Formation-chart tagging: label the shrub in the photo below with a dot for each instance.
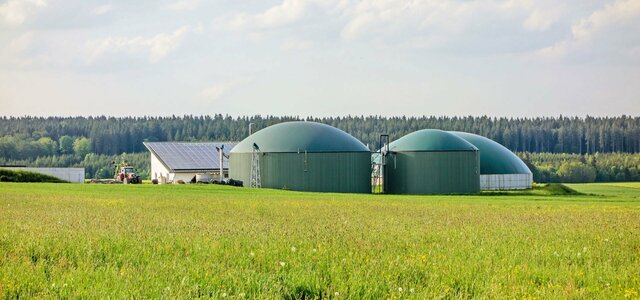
(576, 171)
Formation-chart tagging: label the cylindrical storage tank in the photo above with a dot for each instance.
(432, 161)
(500, 169)
(304, 156)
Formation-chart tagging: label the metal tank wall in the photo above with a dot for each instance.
(500, 169)
(304, 156)
(493, 182)
(341, 172)
(433, 172)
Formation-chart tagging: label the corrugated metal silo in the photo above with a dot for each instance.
(432, 161)
(304, 156)
(500, 169)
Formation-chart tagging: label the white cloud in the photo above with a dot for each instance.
(399, 22)
(390, 17)
(183, 5)
(357, 25)
(287, 12)
(615, 27)
(221, 89)
(16, 12)
(22, 42)
(35, 49)
(622, 13)
(156, 47)
(449, 18)
(102, 9)
(297, 44)
(541, 19)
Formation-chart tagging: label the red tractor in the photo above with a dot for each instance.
(126, 174)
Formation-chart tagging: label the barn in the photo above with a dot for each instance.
(173, 161)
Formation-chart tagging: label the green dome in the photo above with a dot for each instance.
(494, 158)
(430, 140)
(299, 137)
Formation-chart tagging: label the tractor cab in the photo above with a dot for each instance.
(126, 174)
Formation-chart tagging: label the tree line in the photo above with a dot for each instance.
(556, 149)
(30, 137)
(546, 167)
(598, 167)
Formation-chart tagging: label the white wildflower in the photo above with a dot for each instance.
(400, 290)
(252, 254)
(293, 249)
(336, 294)
(411, 290)
(282, 264)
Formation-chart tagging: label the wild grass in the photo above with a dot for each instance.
(547, 189)
(184, 241)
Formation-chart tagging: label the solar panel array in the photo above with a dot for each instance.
(189, 156)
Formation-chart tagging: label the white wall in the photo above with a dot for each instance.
(158, 169)
(186, 177)
(69, 174)
(506, 181)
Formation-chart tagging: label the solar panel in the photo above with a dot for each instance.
(189, 156)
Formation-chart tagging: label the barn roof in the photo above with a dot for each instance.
(182, 156)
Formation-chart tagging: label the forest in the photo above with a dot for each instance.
(556, 148)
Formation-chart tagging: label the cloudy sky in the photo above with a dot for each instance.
(320, 57)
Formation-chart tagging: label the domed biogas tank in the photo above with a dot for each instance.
(500, 169)
(304, 156)
(432, 161)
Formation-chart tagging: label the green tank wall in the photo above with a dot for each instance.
(494, 158)
(342, 172)
(433, 172)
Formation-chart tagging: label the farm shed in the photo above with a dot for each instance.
(173, 161)
(75, 175)
(303, 156)
(432, 161)
(500, 169)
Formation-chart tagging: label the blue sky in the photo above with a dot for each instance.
(320, 58)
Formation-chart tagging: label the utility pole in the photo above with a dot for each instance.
(221, 157)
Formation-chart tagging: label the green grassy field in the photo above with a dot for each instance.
(183, 241)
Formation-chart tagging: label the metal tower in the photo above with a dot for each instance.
(256, 179)
(380, 168)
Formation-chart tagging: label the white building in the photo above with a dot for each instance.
(173, 161)
(75, 175)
